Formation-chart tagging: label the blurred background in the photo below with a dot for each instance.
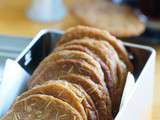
(28, 17)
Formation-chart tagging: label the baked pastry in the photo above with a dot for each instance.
(103, 47)
(99, 96)
(70, 55)
(87, 102)
(42, 107)
(65, 55)
(80, 32)
(91, 50)
(84, 75)
(61, 90)
(64, 67)
(97, 93)
(100, 51)
(119, 20)
(116, 88)
(109, 61)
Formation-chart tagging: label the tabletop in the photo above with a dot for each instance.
(13, 21)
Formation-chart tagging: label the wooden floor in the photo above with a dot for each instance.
(13, 21)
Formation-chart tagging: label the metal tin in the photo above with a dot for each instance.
(11, 47)
(140, 97)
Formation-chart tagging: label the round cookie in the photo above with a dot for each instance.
(70, 54)
(80, 32)
(89, 49)
(42, 107)
(119, 20)
(99, 96)
(63, 67)
(87, 102)
(61, 90)
(116, 66)
(117, 89)
(100, 50)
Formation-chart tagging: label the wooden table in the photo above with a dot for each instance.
(13, 21)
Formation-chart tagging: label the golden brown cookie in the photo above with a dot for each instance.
(91, 50)
(119, 20)
(61, 90)
(70, 54)
(100, 51)
(87, 102)
(116, 90)
(42, 107)
(107, 57)
(80, 32)
(100, 98)
(63, 67)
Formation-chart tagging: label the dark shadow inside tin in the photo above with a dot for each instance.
(46, 43)
(140, 58)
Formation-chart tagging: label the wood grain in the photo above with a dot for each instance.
(13, 21)
(156, 104)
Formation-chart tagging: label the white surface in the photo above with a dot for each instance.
(13, 83)
(130, 82)
(140, 98)
(2, 62)
(11, 47)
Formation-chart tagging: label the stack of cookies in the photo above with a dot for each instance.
(82, 79)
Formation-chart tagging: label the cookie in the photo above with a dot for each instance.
(116, 90)
(100, 98)
(42, 107)
(63, 67)
(61, 90)
(80, 32)
(108, 57)
(70, 54)
(100, 51)
(87, 102)
(90, 50)
(119, 20)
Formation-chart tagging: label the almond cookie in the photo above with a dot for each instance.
(80, 32)
(108, 57)
(119, 20)
(91, 50)
(117, 89)
(63, 67)
(61, 90)
(87, 102)
(100, 98)
(70, 54)
(100, 50)
(42, 107)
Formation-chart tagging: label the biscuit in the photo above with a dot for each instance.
(87, 102)
(108, 57)
(61, 90)
(99, 50)
(99, 96)
(98, 55)
(117, 89)
(42, 107)
(63, 67)
(70, 54)
(119, 20)
(80, 32)
(84, 76)
(97, 93)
